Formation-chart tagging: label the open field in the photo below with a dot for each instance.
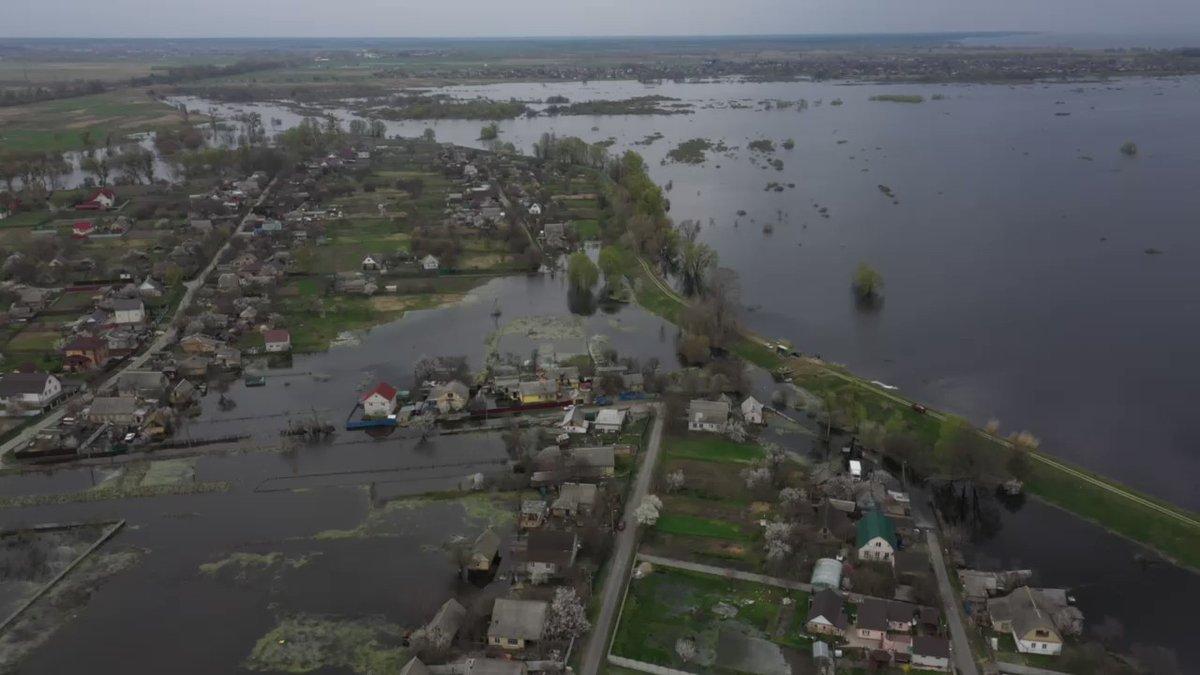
(671, 605)
(60, 125)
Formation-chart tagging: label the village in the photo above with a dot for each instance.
(668, 521)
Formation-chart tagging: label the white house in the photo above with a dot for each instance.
(277, 340)
(710, 416)
(29, 391)
(128, 311)
(752, 411)
(573, 421)
(380, 401)
(609, 420)
(876, 537)
(429, 263)
(535, 209)
(373, 262)
(1028, 616)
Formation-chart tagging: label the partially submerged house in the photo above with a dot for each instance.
(450, 397)
(484, 551)
(1028, 614)
(380, 401)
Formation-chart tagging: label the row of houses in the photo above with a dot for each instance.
(891, 631)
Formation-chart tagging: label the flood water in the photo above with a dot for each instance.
(1018, 280)
(1018, 286)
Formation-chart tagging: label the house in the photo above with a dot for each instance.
(827, 574)
(414, 667)
(516, 622)
(482, 666)
(549, 553)
(554, 465)
(710, 416)
(184, 393)
(752, 411)
(573, 421)
(555, 235)
(101, 200)
(609, 420)
(373, 262)
(901, 616)
(535, 209)
(194, 366)
(122, 411)
(450, 397)
(876, 538)
(826, 614)
(537, 391)
(150, 289)
(85, 352)
(32, 392)
(147, 384)
(83, 229)
(429, 263)
(199, 344)
(380, 401)
(128, 311)
(445, 625)
(872, 620)
(574, 499)
(931, 653)
(484, 551)
(277, 340)
(533, 514)
(1029, 618)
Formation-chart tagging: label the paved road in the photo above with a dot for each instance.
(159, 343)
(726, 572)
(622, 556)
(963, 659)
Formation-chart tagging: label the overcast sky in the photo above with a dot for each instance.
(474, 18)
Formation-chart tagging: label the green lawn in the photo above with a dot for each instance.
(713, 448)
(670, 604)
(60, 125)
(700, 527)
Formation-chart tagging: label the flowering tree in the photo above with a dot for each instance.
(567, 618)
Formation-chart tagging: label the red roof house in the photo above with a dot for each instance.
(82, 229)
(380, 401)
(101, 200)
(277, 340)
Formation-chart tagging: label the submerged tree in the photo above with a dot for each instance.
(1129, 148)
(867, 283)
(582, 272)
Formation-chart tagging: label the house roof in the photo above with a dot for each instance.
(535, 507)
(875, 524)
(85, 343)
(519, 619)
(126, 304)
(481, 666)
(573, 495)
(551, 546)
(23, 383)
(414, 667)
(936, 647)
(383, 389)
(610, 417)
(141, 379)
(537, 388)
(486, 544)
(448, 620)
(829, 605)
(114, 405)
(708, 412)
(1025, 609)
(277, 335)
(872, 614)
(751, 403)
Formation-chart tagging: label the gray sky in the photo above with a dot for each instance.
(471, 18)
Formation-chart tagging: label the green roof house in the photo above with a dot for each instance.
(876, 537)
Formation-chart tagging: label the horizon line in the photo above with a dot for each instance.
(537, 37)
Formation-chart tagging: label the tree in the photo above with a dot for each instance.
(582, 272)
(489, 132)
(675, 480)
(358, 127)
(567, 618)
(97, 166)
(612, 265)
(698, 261)
(868, 283)
(776, 540)
(647, 512)
(695, 349)
(1129, 148)
(429, 135)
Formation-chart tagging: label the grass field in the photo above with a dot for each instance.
(699, 527)
(713, 448)
(60, 125)
(671, 604)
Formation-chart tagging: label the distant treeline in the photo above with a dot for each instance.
(50, 91)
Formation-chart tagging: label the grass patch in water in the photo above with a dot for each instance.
(304, 643)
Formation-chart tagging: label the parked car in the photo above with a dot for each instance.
(920, 408)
